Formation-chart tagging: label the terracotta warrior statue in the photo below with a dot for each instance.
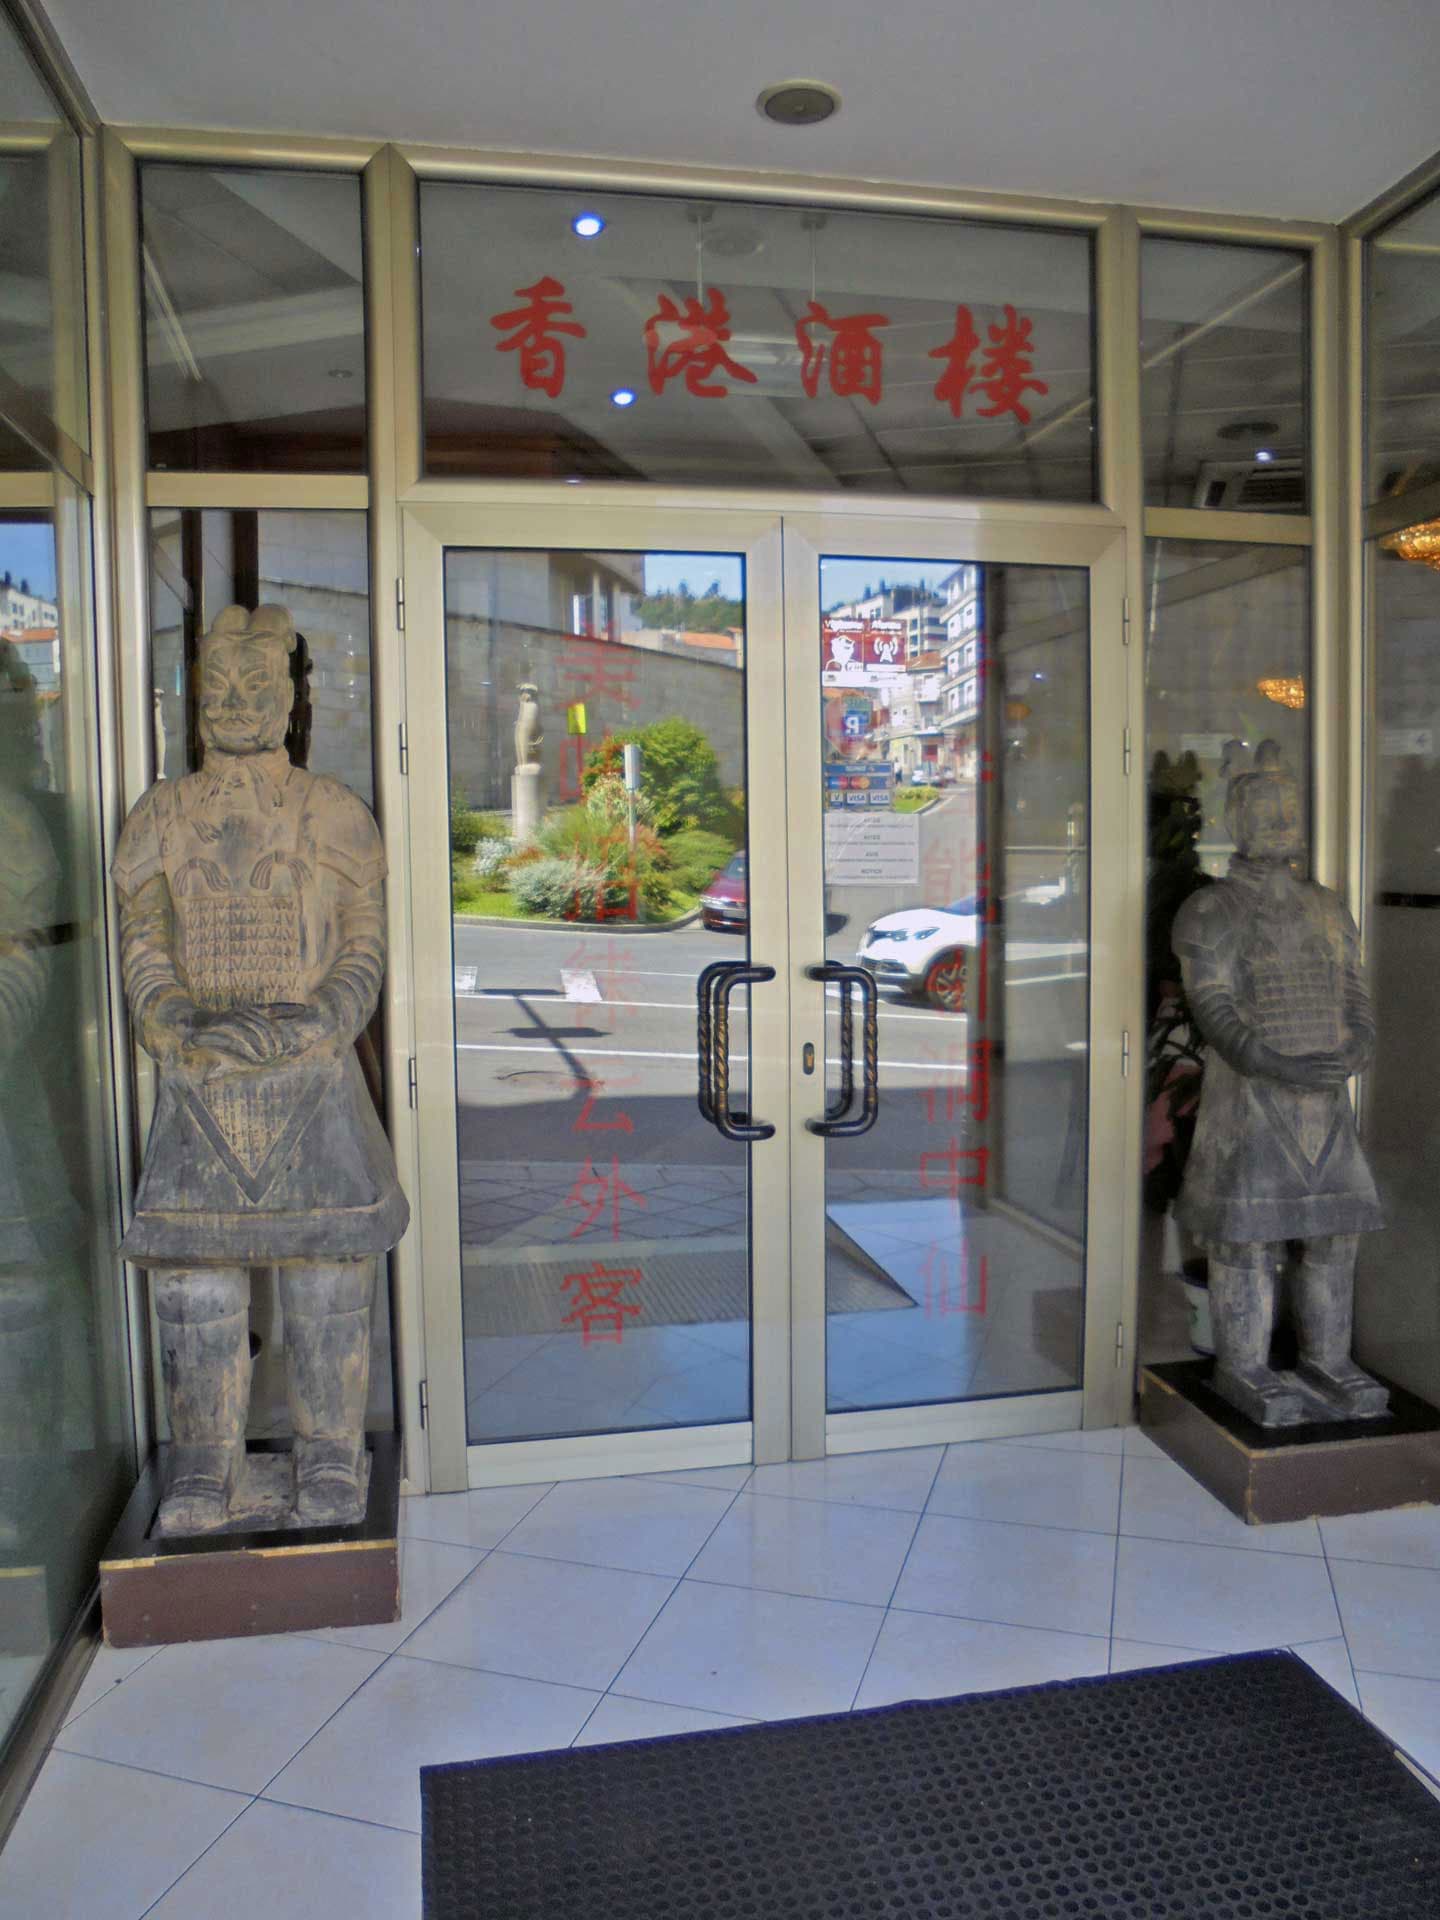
(1272, 970)
(252, 931)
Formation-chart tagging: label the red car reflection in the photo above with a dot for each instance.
(726, 901)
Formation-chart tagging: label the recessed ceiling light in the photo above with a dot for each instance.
(622, 397)
(587, 225)
(799, 103)
(1264, 455)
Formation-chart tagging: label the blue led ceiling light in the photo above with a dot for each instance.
(587, 225)
(622, 397)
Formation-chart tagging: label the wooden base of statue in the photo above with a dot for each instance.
(1268, 1475)
(288, 1579)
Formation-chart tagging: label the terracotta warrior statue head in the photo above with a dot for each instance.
(1262, 809)
(246, 690)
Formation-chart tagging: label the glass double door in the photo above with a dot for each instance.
(753, 913)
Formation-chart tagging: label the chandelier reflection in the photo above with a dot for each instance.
(1420, 542)
(1285, 692)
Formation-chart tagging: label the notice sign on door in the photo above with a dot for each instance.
(861, 653)
(866, 849)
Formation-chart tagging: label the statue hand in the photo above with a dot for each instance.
(226, 1042)
(307, 1030)
(168, 1029)
(1316, 1072)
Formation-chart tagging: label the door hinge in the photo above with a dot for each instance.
(400, 601)
(1119, 1343)
(1124, 1055)
(1125, 620)
(1125, 749)
(404, 749)
(424, 1403)
(414, 1083)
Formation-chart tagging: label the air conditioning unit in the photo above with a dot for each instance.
(1252, 486)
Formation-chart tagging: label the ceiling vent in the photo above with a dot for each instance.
(1252, 486)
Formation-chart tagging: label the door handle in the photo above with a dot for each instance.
(835, 1125)
(713, 989)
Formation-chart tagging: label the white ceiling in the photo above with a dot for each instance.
(1303, 108)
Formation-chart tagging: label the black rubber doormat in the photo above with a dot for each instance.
(1236, 1789)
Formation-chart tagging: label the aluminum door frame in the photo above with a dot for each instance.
(980, 534)
(428, 530)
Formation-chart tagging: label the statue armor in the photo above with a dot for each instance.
(252, 933)
(1272, 972)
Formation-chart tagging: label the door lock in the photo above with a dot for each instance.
(807, 1057)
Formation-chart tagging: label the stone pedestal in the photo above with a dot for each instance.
(155, 1589)
(527, 803)
(1270, 1474)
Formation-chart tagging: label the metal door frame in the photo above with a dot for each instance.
(781, 548)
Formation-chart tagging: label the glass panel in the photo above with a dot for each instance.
(748, 345)
(1223, 344)
(317, 565)
(956, 749)
(42, 312)
(1227, 662)
(64, 1426)
(604, 1223)
(1396, 1323)
(1404, 346)
(254, 319)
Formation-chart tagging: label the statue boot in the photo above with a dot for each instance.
(1242, 1315)
(327, 1350)
(1325, 1312)
(204, 1317)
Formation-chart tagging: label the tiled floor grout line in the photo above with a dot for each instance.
(720, 1518)
(1339, 1612)
(895, 1584)
(198, 1858)
(75, 1718)
(1115, 1565)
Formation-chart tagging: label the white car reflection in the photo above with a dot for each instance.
(925, 950)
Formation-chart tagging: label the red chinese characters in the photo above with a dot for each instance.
(596, 1193)
(1007, 368)
(955, 1167)
(851, 353)
(952, 1284)
(598, 1302)
(537, 333)
(689, 341)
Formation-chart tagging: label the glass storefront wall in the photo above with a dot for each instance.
(254, 319)
(66, 1443)
(1398, 1308)
(574, 335)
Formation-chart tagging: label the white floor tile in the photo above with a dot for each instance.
(1331, 1660)
(480, 1519)
(1226, 1597)
(1018, 1576)
(226, 1713)
(1137, 1441)
(1128, 1655)
(1391, 1616)
(619, 1718)
(110, 1667)
(543, 1620)
(366, 1763)
(768, 1656)
(643, 1526)
(429, 1570)
(922, 1657)
(102, 1842)
(289, 1864)
(991, 1480)
(1403, 1537)
(1162, 1501)
(900, 1479)
(1077, 1439)
(825, 1548)
(1408, 1710)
